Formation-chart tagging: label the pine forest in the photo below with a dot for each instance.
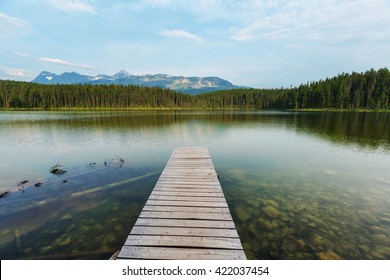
(369, 90)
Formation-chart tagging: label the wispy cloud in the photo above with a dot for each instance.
(10, 24)
(73, 6)
(17, 54)
(64, 62)
(208, 9)
(14, 73)
(181, 34)
(328, 21)
(155, 3)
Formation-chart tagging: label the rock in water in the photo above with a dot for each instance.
(271, 211)
(243, 214)
(329, 172)
(381, 239)
(328, 255)
(264, 224)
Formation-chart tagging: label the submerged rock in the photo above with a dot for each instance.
(264, 224)
(255, 203)
(271, 211)
(64, 240)
(66, 217)
(242, 214)
(328, 255)
(4, 194)
(384, 251)
(272, 203)
(118, 228)
(364, 248)
(368, 218)
(58, 169)
(109, 239)
(329, 172)
(320, 241)
(385, 220)
(84, 228)
(300, 244)
(378, 230)
(381, 239)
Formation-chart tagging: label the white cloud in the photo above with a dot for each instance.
(10, 24)
(13, 73)
(181, 34)
(66, 63)
(73, 6)
(207, 10)
(327, 21)
(293, 46)
(18, 54)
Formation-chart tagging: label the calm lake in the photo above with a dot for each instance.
(298, 185)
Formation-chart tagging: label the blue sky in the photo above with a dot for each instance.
(258, 43)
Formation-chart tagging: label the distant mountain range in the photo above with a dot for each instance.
(190, 85)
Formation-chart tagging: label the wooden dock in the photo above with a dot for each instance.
(186, 215)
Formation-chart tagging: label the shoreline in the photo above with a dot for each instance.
(75, 109)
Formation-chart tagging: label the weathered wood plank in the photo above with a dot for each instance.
(177, 231)
(201, 170)
(186, 163)
(184, 223)
(188, 182)
(186, 215)
(189, 174)
(222, 210)
(187, 189)
(186, 179)
(184, 241)
(214, 185)
(137, 252)
(186, 203)
(174, 175)
(187, 193)
(187, 198)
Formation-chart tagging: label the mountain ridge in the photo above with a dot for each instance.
(192, 85)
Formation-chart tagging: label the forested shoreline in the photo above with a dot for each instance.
(368, 90)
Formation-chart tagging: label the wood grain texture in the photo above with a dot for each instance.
(161, 253)
(178, 231)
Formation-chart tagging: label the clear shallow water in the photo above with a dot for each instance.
(299, 185)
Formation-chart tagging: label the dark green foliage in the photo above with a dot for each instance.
(30, 95)
(369, 90)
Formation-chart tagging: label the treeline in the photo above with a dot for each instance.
(369, 90)
(31, 95)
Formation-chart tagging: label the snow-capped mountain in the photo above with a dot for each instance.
(184, 84)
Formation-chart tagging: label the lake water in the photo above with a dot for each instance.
(299, 185)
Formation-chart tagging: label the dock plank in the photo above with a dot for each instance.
(187, 198)
(188, 193)
(177, 231)
(186, 215)
(160, 208)
(184, 223)
(187, 189)
(185, 203)
(184, 241)
(153, 253)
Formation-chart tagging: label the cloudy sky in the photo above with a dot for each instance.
(258, 43)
